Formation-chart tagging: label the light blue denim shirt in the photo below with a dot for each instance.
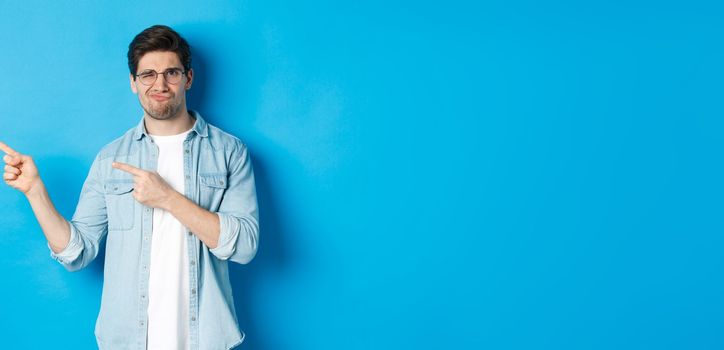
(219, 178)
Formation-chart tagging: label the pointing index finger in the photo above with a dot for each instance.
(5, 148)
(128, 168)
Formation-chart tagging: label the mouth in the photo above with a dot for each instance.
(160, 98)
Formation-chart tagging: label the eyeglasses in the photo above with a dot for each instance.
(172, 76)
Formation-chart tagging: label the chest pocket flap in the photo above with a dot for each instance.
(118, 187)
(213, 180)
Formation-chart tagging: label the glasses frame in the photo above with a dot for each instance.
(156, 74)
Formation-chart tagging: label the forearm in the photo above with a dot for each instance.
(55, 228)
(203, 223)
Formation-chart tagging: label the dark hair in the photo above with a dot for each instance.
(158, 38)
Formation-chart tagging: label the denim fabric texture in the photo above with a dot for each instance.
(218, 177)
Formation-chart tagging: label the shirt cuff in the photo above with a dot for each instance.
(71, 251)
(228, 233)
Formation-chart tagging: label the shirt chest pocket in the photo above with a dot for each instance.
(212, 188)
(120, 205)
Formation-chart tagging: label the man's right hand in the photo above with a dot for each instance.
(20, 170)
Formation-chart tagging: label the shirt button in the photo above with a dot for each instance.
(221, 182)
(193, 291)
(144, 267)
(187, 151)
(188, 177)
(193, 262)
(143, 296)
(193, 318)
(141, 323)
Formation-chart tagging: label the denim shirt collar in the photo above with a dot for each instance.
(200, 127)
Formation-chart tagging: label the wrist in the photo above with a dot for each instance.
(37, 190)
(172, 200)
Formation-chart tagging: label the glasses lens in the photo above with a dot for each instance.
(173, 76)
(147, 78)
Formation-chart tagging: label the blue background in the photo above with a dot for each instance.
(455, 175)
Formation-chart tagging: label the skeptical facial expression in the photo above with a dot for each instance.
(165, 97)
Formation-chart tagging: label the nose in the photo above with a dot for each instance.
(160, 83)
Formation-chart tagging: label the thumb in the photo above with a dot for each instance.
(26, 159)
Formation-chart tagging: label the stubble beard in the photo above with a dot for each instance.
(164, 111)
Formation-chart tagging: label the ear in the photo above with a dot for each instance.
(190, 79)
(133, 84)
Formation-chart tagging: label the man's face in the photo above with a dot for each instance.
(161, 100)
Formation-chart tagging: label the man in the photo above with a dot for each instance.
(175, 199)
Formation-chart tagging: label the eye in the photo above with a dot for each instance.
(145, 75)
(173, 72)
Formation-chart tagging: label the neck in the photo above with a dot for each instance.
(175, 125)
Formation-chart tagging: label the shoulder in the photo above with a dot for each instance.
(220, 149)
(222, 141)
(120, 146)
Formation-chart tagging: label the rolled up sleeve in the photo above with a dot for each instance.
(238, 212)
(88, 225)
(71, 252)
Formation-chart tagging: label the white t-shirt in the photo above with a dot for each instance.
(168, 285)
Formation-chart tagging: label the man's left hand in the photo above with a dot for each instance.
(149, 188)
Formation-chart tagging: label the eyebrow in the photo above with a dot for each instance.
(153, 70)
